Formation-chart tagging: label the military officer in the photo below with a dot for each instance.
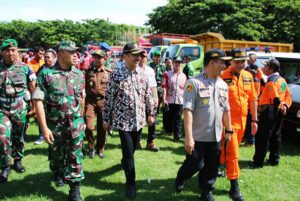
(96, 78)
(17, 80)
(159, 70)
(62, 88)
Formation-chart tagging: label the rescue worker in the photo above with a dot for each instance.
(17, 80)
(206, 107)
(128, 104)
(173, 88)
(241, 92)
(273, 104)
(159, 70)
(96, 80)
(59, 102)
(257, 75)
(188, 68)
(38, 59)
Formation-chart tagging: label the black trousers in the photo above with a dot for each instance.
(247, 135)
(152, 131)
(268, 136)
(128, 143)
(166, 119)
(175, 117)
(205, 159)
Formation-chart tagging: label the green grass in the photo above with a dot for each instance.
(155, 175)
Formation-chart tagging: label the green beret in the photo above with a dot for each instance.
(8, 43)
(156, 53)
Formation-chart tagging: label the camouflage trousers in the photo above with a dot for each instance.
(12, 128)
(65, 154)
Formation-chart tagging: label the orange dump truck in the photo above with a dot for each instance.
(216, 40)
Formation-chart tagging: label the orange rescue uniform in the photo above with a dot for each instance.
(241, 91)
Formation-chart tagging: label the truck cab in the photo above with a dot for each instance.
(194, 51)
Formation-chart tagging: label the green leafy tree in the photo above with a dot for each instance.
(267, 20)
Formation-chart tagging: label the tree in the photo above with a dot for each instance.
(267, 20)
(50, 33)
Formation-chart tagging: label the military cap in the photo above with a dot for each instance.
(131, 48)
(67, 45)
(238, 54)
(98, 52)
(8, 43)
(216, 54)
(156, 53)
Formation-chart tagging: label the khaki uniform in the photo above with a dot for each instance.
(96, 81)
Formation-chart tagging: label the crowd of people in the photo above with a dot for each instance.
(64, 91)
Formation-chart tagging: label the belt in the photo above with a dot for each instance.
(9, 100)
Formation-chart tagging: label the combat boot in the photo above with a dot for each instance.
(234, 191)
(74, 193)
(18, 167)
(58, 179)
(207, 196)
(4, 175)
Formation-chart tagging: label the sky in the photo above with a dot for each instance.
(117, 11)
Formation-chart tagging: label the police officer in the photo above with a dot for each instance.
(159, 70)
(273, 104)
(62, 88)
(96, 80)
(205, 106)
(241, 95)
(16, 79)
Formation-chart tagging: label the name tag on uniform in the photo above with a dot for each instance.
(246, 80)
(204, 92)
(229, 81)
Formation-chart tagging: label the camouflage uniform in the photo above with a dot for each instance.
(159, 70)
(14, 82)
(63, 92)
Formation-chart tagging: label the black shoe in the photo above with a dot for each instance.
(18, 167)
(234, 191)
(254, 165)
(179, 186)
(138, 146)
(74, 193)
(58, 180)
(130, 191)
(272, 163)
(207, 196)
(4, 175)
(178, 140)
(92, 153)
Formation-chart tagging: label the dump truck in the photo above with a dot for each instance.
(211, 40)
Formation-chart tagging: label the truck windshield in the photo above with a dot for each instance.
(170, 52)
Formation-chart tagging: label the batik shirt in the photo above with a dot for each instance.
(127, 100)
(174, 85)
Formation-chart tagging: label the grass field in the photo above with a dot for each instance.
(155, 175)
